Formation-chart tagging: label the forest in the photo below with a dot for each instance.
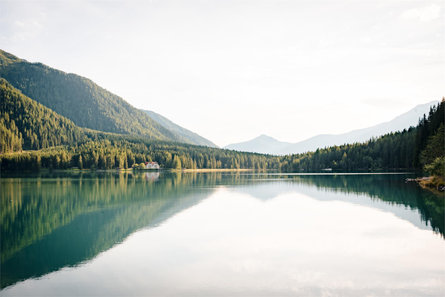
(53, 120)
(416, 148)
(83, 102)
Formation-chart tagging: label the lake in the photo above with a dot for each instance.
(220, 234)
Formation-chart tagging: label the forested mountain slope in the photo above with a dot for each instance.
(410, 149)
(81, 100)
(57, 142)
(26, 124)
(49, 140)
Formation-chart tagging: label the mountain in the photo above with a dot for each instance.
(78, 99)
(54, 140)
(32, 136)
(268, 145)
(262, 144)
(26, 124)
(82, 101)
(185, 134)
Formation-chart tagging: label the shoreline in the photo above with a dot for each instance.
(435, 184)
(215, 170)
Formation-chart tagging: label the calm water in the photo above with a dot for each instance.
(214, 234)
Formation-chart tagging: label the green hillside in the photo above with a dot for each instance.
(185, 134)
(26, 124)
(392, 152)
(80, 100)
(413, 149)
(137, 138)
(49, 140)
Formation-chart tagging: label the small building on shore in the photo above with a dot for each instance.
(152, 165)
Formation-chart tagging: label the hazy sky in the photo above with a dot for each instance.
(231, 70)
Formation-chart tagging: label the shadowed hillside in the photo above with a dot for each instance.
(82, 101)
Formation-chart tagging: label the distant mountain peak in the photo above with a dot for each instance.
(269, 145)
(264, 137)
(260, 144)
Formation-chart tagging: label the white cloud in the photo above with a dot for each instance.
(423, 14)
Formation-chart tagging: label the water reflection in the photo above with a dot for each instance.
(151, 176)
(49, 223)
(57, 220)
(384, 191)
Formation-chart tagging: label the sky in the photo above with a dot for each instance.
(232, 70)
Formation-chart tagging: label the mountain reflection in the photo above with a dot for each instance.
(49, 223)
(383, 191)
(391, 189)
(57, 220)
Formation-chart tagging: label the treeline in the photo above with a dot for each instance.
(120, 152)
(430, 142)
(50, 140)
(58, 143)
(417, 148)
(394, 151)
(391, 152)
